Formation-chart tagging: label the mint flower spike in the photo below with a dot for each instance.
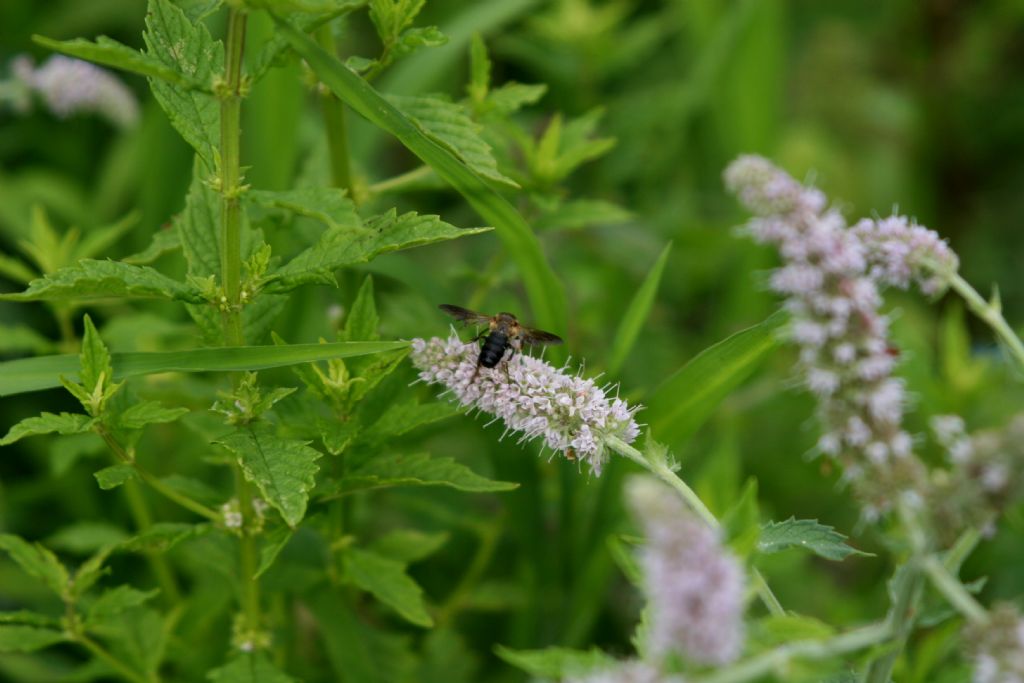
(694, 585)
(570, 414)
(997, 646)
(68, 86)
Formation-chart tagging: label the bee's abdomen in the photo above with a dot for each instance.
(493, 349)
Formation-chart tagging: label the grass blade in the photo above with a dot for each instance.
(547, 298)
(44, 372)
(636, 314)
(688, 397)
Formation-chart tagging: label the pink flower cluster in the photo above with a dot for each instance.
(831, 277)
(571, 414)
(694, 586)
(69, 86)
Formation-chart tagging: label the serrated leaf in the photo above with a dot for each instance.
(405, 416)
(555, 662)
(546, 294)
(807, 534)
(14, 638)
(95, 358)
(391, 17)
(387, 581)
(329, 205)
(90, 279)
(48, 423)
(139, 637)
(413, 470)
(284, 470)
(89, 572)
(109, 52)
(509, 98)
(408, 545)
(139, 415)
(36, 561)
(116, 600)
(449, 124)
(343, 247)
(273, 544)
(33, 374)
(636, 313)
(185, 46)
(688, 397)
(164, 241)
(161, 537)
(114, 476)
(250, 667)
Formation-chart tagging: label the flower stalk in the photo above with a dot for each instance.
(991, 313)
(335, 123)
(231, 178)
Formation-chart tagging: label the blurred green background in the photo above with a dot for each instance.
(915, 105)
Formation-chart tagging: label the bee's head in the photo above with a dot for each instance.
(505, 321)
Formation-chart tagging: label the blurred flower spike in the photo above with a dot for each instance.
(70, 86)
(572, 415)
(694, 585)
(998, 646)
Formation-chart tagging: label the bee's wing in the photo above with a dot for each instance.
(465, 315)
(531, 336)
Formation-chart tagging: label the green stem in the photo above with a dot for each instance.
(991, 313)
(250, 583)
(953, 590)
(143, 519)
(907, 587)
(665, 473)
(400, 182)
(113, 662)
(334, 123)
(231, 178)
(765, 663)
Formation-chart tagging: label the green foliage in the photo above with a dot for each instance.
(109, 52)
(27, 638)
(89, 280)
(37, 562)
(114, 476)
(636, 314)
(413, 470)
(249, 668)
(48, 423)
(283, 469)
(807, 534)
(386, 579)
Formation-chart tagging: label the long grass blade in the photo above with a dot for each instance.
(636, 314)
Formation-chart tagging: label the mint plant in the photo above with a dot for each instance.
(260, 458)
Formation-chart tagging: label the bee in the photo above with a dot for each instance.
(503, 332)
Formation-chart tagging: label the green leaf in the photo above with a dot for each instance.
(284, 470)
(479, 70)
(198, 226)
(555, 662)
(89, 279)
(250, 667)
(564, 147)
(547, 297)
(114, 476)
(161, 537)
(116, 600)
(273, 544)
(773, 630)
(405, 416)
(139, 637)
(89, 572)
(186, 47)
(387, 581)
(36, 561)
(94, 358)
(26, 617)
(448, 124)
(343, 247)
(32, 374)
(86, 537)
(15, 270)
(164, 241)
(362, 320)
(636, 314)
(408, 545)
(148, 412)
(15, 638)
(581, 213)
(109, 52)
(413, 470)
(329, 205)
(807, 534)
(688, 397)
(741, 525)
(511, 97)
(48, 423)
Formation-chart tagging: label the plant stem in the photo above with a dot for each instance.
(250, 584)
(334, 123)
(953, 590)
(760, 665)
(907, 586)
(991, 313)
(401, 181)
(665, 473)
(113, 662)
(231, 178)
